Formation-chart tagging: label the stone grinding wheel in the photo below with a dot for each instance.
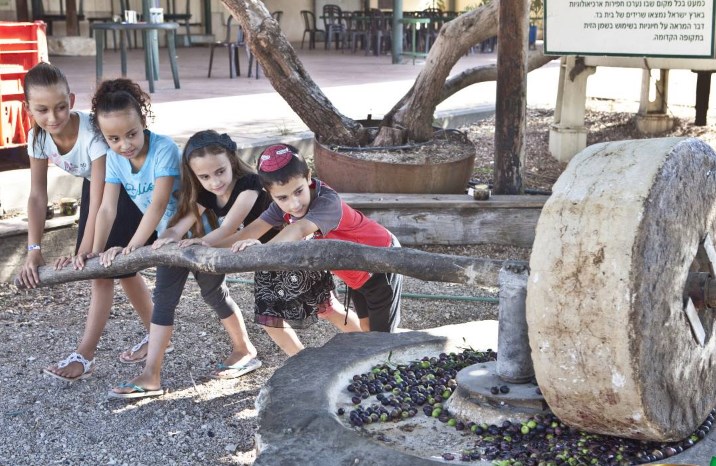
(613, 350)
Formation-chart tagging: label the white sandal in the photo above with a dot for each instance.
(137, 347)
(87, 367)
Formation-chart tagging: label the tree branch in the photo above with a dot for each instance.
(284, 69)
(536, 59)
(303, 255)
(414, 112)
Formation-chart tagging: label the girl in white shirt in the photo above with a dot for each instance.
(65, 137)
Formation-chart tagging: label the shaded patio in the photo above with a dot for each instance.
(357, 84)
(329, 68)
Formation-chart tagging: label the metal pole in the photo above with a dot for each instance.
(208, 27)
(397, 49)
(36, 9)
(151, 39)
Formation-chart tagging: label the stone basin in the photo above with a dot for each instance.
(297, 406)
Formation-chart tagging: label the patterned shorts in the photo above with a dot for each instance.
(290, 298)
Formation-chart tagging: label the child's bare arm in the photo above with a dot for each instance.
(253, 230)
(295, 231)
(177, 231)
(105, 216)
(37, 203)
(36, 209)
(105, 219)
(237, 214)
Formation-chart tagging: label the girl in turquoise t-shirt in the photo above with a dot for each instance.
(140, 163)
(145, 164)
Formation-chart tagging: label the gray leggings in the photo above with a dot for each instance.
(170, 285)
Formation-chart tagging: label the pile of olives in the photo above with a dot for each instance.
(401, 391)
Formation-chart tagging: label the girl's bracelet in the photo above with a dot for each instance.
(33, 247)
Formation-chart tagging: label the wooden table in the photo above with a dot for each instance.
(151, 49)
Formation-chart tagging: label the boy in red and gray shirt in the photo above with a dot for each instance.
(307, 208)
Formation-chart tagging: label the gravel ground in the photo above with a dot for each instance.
(204, 421)
(606, 120)
(200, 420)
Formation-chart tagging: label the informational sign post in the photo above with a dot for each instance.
(644, 28)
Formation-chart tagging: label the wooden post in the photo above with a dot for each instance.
(73, 24)
(703, 90)
(510, 118)
(21, 8)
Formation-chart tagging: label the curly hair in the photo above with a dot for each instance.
(120, 94)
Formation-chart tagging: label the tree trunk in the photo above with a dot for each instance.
(414, 112)
(413, 115)
(302, 255)
(287, 75)
(536, 59)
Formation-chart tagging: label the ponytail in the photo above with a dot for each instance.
(42, 75)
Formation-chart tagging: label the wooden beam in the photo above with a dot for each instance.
(416, 219)
(453, 219)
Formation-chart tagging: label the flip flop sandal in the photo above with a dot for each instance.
(137, 347)
(235, 370)
(137, 392)
(87, 367)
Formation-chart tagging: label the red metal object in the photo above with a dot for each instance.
(22, 46)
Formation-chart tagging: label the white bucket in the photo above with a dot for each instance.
(156, 15)
(130, 16)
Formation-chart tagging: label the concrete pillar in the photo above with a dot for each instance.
(652, 117)
(514, 360)
(567, 135)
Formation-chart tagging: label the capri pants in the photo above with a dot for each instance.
(170, 285)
